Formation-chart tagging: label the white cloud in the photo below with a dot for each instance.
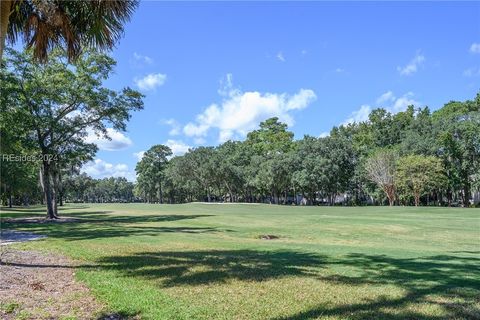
(359, 116)
(99, 169)
(118, 140)
(387, 101)
(199, 141)
(192, 129)
(324, 134)
(241, 112)
(151, 81)
(280, 57)
(386, 97)
(139, 155)
(412, 66)
(304, 52)
(401, 103)
(299, 100)
(178, 147)
(475, 48)
(472, 72)
(339, 70)
(226, 86)
(141, 58)
(174, 126)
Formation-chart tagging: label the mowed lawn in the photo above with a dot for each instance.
(208, 261)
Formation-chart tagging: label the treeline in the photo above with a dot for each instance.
(82, 188)
(47, 110)
(78, 188)
(414, 157)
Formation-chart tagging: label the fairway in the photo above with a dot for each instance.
(209, 261)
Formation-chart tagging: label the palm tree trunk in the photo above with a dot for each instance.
(5, 10)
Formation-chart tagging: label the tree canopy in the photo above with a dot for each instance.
(45, 25)
(57, 105)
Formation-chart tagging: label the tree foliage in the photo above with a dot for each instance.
(150, 172)
(380, 169)
(46, 24)
(58, 104)
(418, 175)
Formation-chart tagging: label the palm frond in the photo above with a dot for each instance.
(44, 24)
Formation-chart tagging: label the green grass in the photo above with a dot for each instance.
(200, 261)
(10, 307)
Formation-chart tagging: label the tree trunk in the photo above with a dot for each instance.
(160, 193)
(10, 200)
(390, 201)
(55, 202)
(466, 193)
(230, 193)
(54, 177)
(60, 190)
(295, 200)
(417, 199)
(57, 188)
(5, 10)
(449, 198)
(54, 193)
(390, 192)
(47, 189)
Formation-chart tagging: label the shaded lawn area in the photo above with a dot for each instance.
(201, 261)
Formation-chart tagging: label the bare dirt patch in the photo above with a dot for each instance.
(36, 285)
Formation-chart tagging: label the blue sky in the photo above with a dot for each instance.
(212, 71)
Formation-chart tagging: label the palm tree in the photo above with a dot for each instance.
(44, 24)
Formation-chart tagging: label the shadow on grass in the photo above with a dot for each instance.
(22, 212)
(446, 281)
(70, 217)
(449, 282)
(214, 266)
(118, 316)
(39, 211)
(99, 224)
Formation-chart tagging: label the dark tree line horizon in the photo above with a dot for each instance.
(414, 157)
